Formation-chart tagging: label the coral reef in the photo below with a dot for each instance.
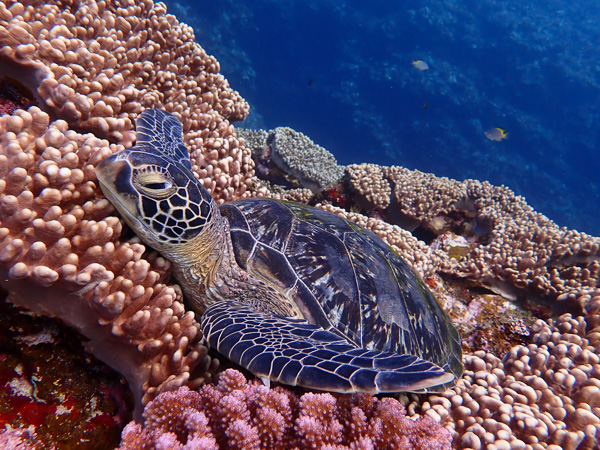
(247, 415)
(513, 249)
(540, 390)
(62, 254)
(52, 392)
(99, 64)
(90, 70)
(539, 394)
(286, 156)
(544, 395)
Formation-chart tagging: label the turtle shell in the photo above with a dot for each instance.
(342, 278)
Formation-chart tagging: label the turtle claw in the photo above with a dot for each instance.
(298, 353)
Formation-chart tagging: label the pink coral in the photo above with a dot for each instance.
(542, 393)
(92, 69)
(248, 415)
(514, 249)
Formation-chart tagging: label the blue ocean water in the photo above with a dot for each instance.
(342, 73)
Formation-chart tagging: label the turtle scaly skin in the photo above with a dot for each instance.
(292, 293)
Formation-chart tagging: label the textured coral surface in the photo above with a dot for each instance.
(524, 291)
(52, 388)
(238, 414)
(539, 390)
(90, 68)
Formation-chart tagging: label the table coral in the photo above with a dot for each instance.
(247, 415)
(514, 249)
(540, 394)
(286, 156)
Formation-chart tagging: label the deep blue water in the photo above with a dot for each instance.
(341, 72)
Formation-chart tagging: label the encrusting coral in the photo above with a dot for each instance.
(247, 415)
(52, 393)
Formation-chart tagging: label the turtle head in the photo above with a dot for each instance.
(153, 187)
(162, 202)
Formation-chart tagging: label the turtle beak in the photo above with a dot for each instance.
(107, 171)
(114, 176)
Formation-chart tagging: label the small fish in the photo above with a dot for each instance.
(496, 134)
(421, 65)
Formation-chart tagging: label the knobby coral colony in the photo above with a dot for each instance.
(238, 414)
(85, 70)
(91, 67)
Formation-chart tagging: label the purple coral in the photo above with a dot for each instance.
(247, 415)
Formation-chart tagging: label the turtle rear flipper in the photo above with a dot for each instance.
(294, 352)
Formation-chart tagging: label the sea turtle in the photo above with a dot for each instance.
(292, 293)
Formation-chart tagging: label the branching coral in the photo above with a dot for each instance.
(248, 415)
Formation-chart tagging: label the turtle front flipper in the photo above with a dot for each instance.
(295, 352)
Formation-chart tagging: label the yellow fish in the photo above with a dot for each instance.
(496, 134)
(421, 65)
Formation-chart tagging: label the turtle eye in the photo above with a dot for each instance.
(154, 184)
(158, 186)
